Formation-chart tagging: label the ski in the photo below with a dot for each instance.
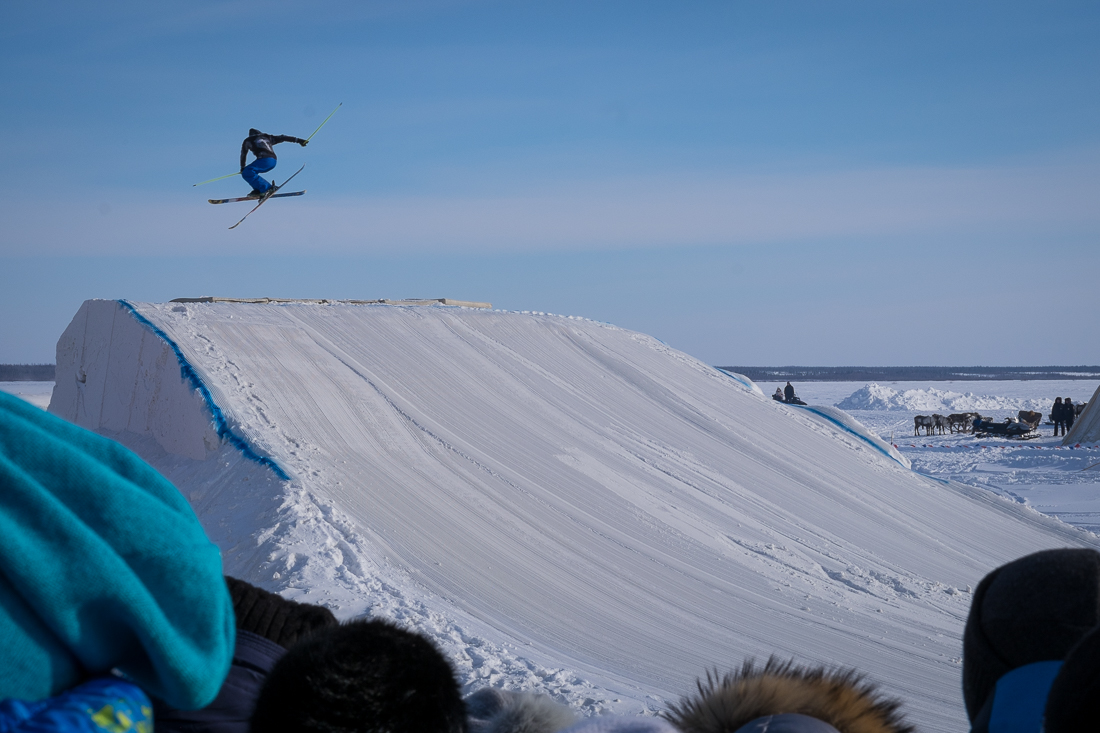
(253, 198)
(263, 199)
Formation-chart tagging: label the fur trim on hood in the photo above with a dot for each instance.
(838, 697)
(491, 710)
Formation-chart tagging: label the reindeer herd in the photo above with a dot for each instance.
(960, 422)
(963, 422)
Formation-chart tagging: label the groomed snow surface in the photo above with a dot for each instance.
(563, 505)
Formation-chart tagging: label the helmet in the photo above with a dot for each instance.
(253, 131)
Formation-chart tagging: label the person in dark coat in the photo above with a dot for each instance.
(1024, 620)
(1070, 411)
(788, 392)
(1073, 704)
(1058, 416)
(267, 625)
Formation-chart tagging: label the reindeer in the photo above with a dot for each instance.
(923, 421)
(958, 420)
(939, 422)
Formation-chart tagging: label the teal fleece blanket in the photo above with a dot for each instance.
(103, 566)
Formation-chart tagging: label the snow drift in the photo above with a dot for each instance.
(561, 504)
(877, 397)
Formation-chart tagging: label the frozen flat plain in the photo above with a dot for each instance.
(1039, 473)
(37, 393)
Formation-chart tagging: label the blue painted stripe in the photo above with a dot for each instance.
(847, 429)
(943, 481)
(742, 382)
(221, 425)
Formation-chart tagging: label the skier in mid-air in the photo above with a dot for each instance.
(261, 145)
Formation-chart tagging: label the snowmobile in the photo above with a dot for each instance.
(1008, 429)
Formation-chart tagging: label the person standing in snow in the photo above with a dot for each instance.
(262, 145)
(788, 392)
(1070, 412)
(1058, 416)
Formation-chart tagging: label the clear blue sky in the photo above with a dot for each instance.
(755, 183)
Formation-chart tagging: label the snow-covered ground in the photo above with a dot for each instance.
(1040, 473)
(37, 393)
(562, 505)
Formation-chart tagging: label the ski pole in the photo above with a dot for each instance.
(227, 175)
(326, 120)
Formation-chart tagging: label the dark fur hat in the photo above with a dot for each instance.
(273, 617)
(838, 697)
(1033, 609)
(361, 677)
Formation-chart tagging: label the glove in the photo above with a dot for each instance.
(303, 143)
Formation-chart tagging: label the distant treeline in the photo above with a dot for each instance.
(26, 372)
(911, 374)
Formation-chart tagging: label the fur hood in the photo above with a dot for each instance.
(491, 710)
(838, 697)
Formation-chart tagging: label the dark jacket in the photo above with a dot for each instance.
(260, 144)
(267, 625)
(783, 697)
(788, 392)
(1058, 412)
(253, 658)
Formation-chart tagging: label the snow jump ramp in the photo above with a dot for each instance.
(561, 504)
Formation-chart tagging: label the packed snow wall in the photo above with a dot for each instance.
(561, 504)
(1087, 425)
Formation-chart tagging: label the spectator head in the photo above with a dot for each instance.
(781, 696)
(1034, 609)
(1074, 701)
(361, 677)
(273, 617)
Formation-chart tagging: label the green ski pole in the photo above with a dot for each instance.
(227, 175)
(326, 120)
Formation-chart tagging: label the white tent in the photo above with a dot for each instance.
(1087, 427)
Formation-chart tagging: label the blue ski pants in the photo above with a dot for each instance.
(252, 171)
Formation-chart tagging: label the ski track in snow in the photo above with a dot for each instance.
(562, 505)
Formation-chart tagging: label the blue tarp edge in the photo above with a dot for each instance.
(847, 429)
(221, 425)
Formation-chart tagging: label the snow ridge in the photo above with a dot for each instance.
(878, 397)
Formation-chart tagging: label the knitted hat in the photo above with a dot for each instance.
(273, 617)
(1033, 609)
(103, 565)
(361, 677)
(1073, 704)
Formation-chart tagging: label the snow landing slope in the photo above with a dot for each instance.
(561, 504)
